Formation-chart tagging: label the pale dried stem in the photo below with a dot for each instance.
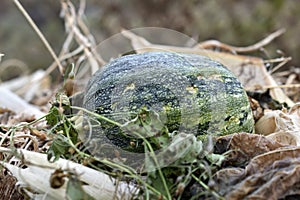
(76, 31)
(282, 63)
(32, 138)
(39, 33)
(25, 144)
(273, 86)
(276, 60)
(217, 44)
(4, 136)
(39, 170)
(82, 35)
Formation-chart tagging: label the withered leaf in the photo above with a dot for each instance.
(242, 147)
(272, 175)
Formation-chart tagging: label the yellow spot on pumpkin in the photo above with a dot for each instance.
(216, 77)
(129, 87)
(192, 90)
(200, 77)
(234, 120)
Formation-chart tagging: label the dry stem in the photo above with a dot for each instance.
(39, 33)
(215, 43)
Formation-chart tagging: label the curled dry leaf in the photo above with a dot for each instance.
(42, 135)
(282, 126)
(242, 147)
(257, 110)
(284, 137)
(273, 175)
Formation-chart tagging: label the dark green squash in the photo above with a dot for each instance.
(190, 93)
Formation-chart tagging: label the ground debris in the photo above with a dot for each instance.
(8, 189)
(272, 170)
(242, 147)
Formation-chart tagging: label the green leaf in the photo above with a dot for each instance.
(215, 159)
(183, 149)
(147, 125)
(75, 191)
(62, 128)
(53, 116)
(60, 146)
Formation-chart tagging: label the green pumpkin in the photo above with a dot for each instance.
(185, 93)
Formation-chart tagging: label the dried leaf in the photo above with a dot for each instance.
(257, 110)
(280, 125)
(285, 138)
(272, 175)
(242, 147)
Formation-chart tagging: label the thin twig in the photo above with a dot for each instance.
(276, 60)
(272, 87)
(82, 36)
(39, 33)
(73, 33)
(282, 63)
(1, 54)
(32, 138)
(234, 49)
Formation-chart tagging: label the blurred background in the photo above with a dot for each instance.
(235, 22)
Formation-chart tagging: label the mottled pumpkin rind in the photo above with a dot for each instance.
(191, 93)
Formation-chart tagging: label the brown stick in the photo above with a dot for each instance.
(217, 44)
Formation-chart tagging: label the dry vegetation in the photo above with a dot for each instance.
(242, 165)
